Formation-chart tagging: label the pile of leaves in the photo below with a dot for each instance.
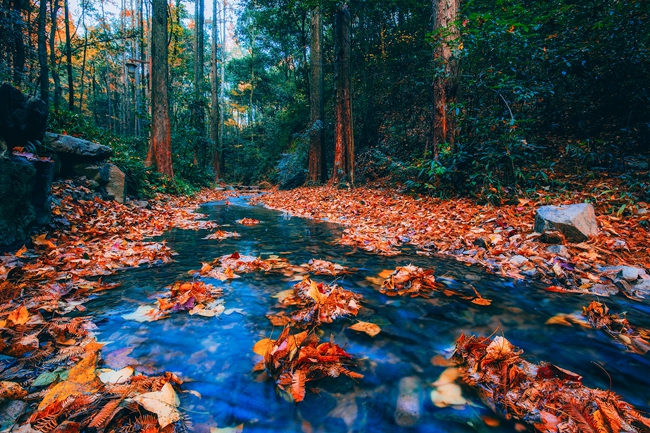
(548, 397)
(195, 297)
(248, 221)
(635, 339)
(413, 281)
(381, 220)
(316, 303)
(324, 267)
(220, 234)
(295, 359)
(227, 266)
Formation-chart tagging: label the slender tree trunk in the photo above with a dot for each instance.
(198, 112)
(317, 165)
(215, 112)
(222, 111)
(343, 170)
(19, 44)
(68, 55)
(160, 128)
(83, 62)
(53, 61)
(445, 84)
(42, 53)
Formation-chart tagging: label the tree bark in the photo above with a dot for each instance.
(445, 83)
(160, 127)
(317, 165)
(19, 44)
(198, 112)
(42, 53)
(68, 54)
(53, 62)
(214, 87)
(343, 170)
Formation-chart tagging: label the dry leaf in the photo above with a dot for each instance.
(369, 328)
(163, 403)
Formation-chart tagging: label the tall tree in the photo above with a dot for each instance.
(42, 52)
(19, 44)
(54, 65)
(198, 112)
(343, 170)
(68, 55)
(445, 83)
(317, 165)
(160, 149)
(214, 93)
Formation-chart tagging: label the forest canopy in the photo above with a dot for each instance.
(461, 97)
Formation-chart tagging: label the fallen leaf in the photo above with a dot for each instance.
(11, 390)
(369, 328)
(116, 377)
(163, 403)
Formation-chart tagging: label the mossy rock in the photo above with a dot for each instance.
(16, 210)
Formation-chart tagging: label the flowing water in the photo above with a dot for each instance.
(214, 355)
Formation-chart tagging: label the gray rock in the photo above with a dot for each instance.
(558, 250)
(72, 150)
(409, 402)
(17, 212)
(627, 273)
(518, 260)
(141, 203)
(604, 289)
(530, 272)
(116, 185)
(577, 221)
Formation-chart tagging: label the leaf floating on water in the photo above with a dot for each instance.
(323, 267)
(248, 221)
(636, 339)
(144, 313)
(163, 403)
(116, 377)
(264, 346)
(220, 234)
(369, 328)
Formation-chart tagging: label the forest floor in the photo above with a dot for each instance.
(91, 238)
(501, 238)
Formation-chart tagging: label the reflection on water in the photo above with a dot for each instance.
(214, 354)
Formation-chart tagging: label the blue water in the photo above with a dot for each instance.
(214, 357)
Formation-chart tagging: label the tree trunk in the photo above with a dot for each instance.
(445, 83)
(68, 55)
(343, 170)
(214, 82)
(222, 111)
(317, 165)
(53, 62)
(198, 112)
(42, 53)
(160, 127)
(19, 44)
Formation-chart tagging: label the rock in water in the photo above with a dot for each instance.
(576, 222)
(409, 402)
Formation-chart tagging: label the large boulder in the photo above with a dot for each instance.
(576, 222)
(107, 176)
(21, 120)
(17, 212)
(72, 150)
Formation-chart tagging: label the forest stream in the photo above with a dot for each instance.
(214, 356)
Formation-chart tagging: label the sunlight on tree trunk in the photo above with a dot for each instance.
(343, 170)
(160, 127)
(445, 83)
(317, 166)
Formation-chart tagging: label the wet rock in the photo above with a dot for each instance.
(409, 402)
(72, 151)
(604, 289)
(21, 120)
(558, 250)
(627, 273)
(576, 222)
(518, 260)
(532, 273)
